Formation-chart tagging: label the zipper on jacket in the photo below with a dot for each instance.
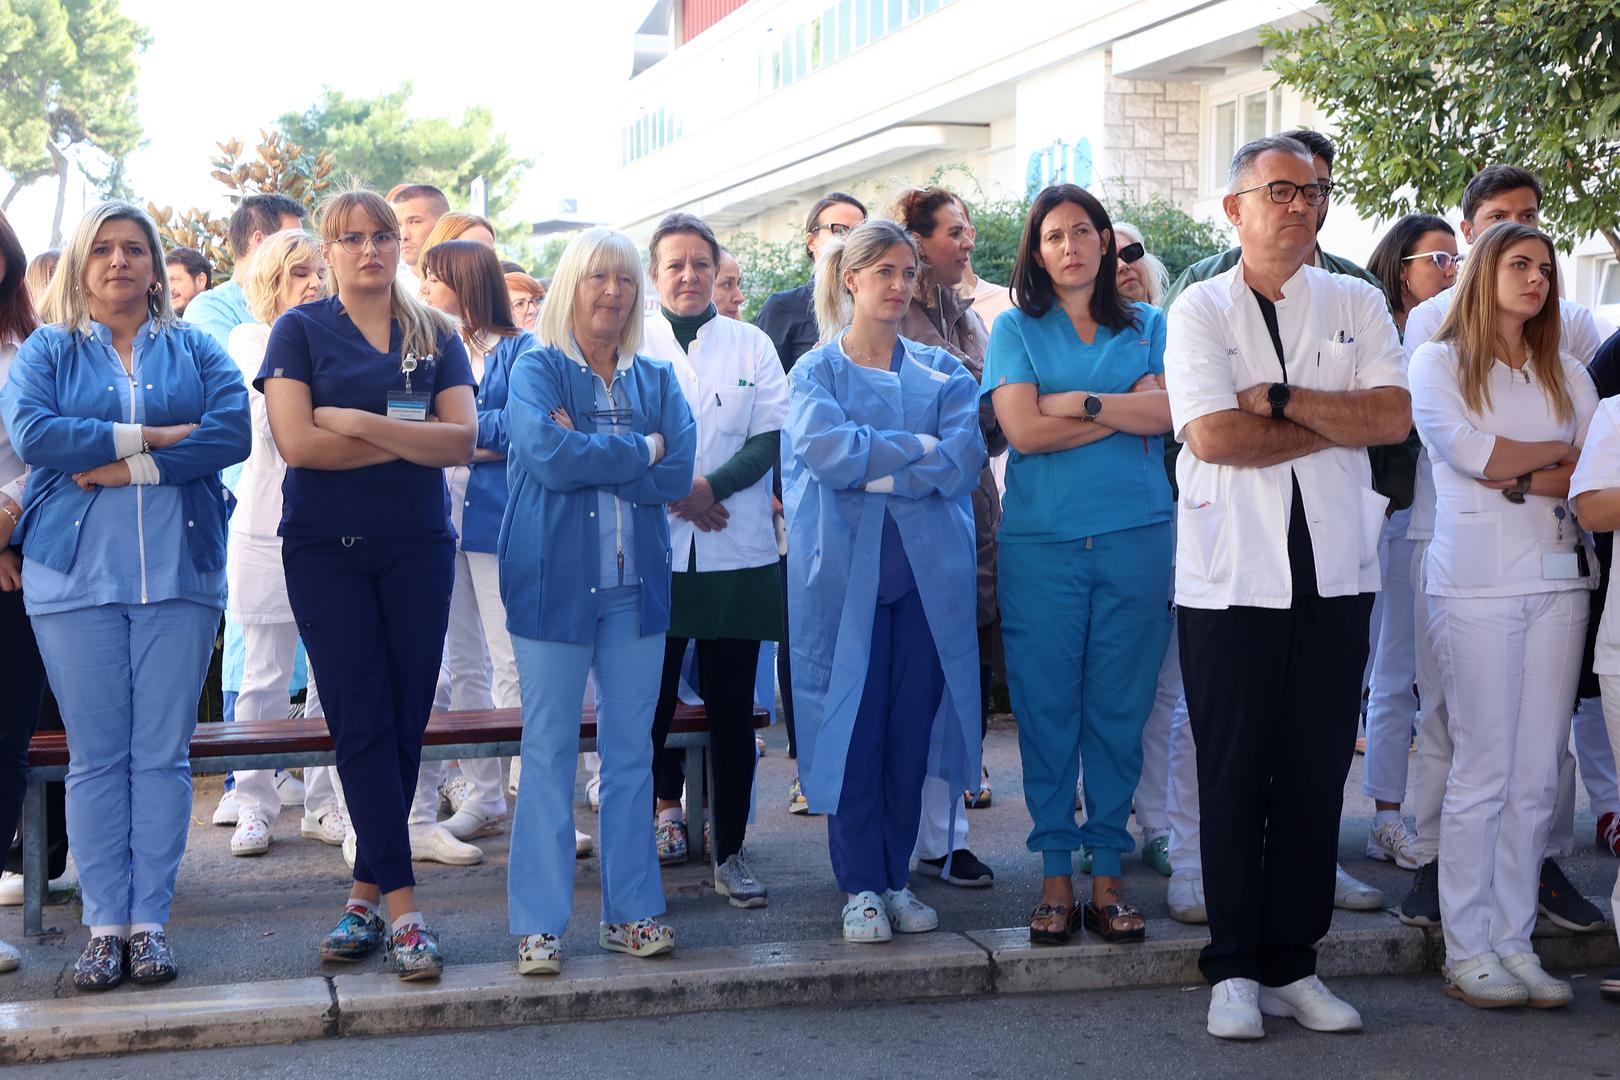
(140, 507)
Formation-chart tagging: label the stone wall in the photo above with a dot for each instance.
(1151, 138)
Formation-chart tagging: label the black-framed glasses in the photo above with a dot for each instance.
(837, 228)
(1284, 192)
(1132, 252)
(1445, 260)
(381, 242)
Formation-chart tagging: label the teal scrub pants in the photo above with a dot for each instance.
(1085, 624)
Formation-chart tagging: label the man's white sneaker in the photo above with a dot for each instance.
(225, 813)
(11, 887)
(327, 826)
(1312, 1004)
(469, 823)
(908, 914)
(10, 958)
(1234, 1010)
(290, 789)
(1393, 842)
(453, 793)
(351, 847)
(252, 835)
(583, 844)
(1186, 896)
(1546, 992)
(434, 843)
(1484, 983)
(1353, 895)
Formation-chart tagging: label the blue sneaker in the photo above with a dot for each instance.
(357, 935)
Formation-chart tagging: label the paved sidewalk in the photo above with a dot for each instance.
(245, 933)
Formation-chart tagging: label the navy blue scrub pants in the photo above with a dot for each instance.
(373, 615)
(872, 835)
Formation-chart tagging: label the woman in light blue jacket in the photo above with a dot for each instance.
(126, 417)
(600, 440)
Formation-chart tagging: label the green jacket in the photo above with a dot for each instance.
(1394, 468)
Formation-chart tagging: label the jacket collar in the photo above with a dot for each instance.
(103, 333)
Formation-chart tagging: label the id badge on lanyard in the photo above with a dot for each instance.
(1558, 562)
(405, 404)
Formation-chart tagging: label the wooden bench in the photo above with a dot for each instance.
(272, 744)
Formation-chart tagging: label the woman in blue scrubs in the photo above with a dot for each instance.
(1075, 373)
(880, 455)
(125, 416)
(600, 438)
(370, 397)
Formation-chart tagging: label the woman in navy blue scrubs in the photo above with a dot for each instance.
(370, 397)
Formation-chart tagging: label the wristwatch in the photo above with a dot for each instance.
(1520, 488)
(1278, 395)
(1093, 407)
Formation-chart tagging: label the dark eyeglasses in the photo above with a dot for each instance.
(1285, 191)
(1131, 252)
(1445, 260)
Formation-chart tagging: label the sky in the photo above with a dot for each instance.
(553, 72)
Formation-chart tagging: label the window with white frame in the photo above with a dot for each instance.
(1238, 118)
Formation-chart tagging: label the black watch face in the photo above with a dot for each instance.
(1277, 394)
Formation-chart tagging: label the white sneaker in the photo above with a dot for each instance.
(290, 789)
(327, 826)
(583, 844)
(593, 791)
(10, 958)
(351, 846)
(252, 835)
(225, 813)
(866, 919)
(1234, 1010)
(512, 778)
(1312, 1004)
(1186, 896)
(1484, 983)
(453, 793)
(908, 914)
(1393, 842)
(11, 887)
(1353, 895)
(469, 823)
(435, 843)
(1079, 796)
(1546, 992)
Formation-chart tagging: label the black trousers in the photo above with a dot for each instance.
(20, 709)
(725, 668)
(784, 670)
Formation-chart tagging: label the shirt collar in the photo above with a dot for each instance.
(578, 358)
(103, 333)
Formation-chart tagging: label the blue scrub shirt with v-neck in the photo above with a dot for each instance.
(318, 344)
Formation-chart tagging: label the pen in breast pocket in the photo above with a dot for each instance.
(717, 399)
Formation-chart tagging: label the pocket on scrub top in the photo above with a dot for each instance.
(736, 409)
(1373, 508)
(1202, 545)
(1473, 558)
(1335, 364)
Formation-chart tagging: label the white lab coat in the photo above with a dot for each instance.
(256, 584)
(1232, 535)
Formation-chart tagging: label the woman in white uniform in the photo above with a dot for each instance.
(1503, 415)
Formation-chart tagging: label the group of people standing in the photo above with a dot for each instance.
(453, 495)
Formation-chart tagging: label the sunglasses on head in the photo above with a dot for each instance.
(1131, 252)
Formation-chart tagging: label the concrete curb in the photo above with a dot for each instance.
(604, 986)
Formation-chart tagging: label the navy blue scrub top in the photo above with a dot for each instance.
(317, 344)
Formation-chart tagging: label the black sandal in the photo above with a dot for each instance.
(1103, 922)
(1042, 912)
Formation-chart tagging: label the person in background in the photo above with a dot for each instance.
(1142, 276)
(938, 222)
(367, 544)
(879, 459)
(287, 271)
(123, 540)
(189, 275)
(527, 295)
(989, 300)
(418, 208)
(40, 269)
(1415, 260)
(456, 225)
(789, 320)
(1503, 414)
(600, 439)
(725, 591)
(728, 294)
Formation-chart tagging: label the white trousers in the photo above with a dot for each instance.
(268, 650)
(1591, 750)
(935, 840)
(1391, 706)
(1509, 666)
(1153, 789)
(1433, 762)
(1610, 685)
(479, 672)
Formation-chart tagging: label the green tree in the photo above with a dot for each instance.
(67, 94)
(767, 267)
(379, 142)
(1175, 236)
(1427, 92)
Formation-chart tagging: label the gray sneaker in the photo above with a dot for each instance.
(735, 882)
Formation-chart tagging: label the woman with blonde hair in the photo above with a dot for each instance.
(40, 269)
(369, 395)
(125, 417)
(600, 438)
(286, 271)
(459, 225)
(1503, 414)
(1141, 274)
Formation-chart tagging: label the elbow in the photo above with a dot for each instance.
(1202, 446)
(1398, 424)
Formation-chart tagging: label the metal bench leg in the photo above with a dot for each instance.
(708, 814)
(36, 880)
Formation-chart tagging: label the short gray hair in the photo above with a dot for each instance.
(1237, 174)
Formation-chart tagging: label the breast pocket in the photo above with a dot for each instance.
(1335, 363)
(734, 409)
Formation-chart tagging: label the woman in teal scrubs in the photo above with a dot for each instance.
(1075, 373)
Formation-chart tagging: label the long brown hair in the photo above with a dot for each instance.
(1471, 324)
(17, 318)
(473, 273)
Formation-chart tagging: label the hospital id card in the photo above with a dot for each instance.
(1560, 566)
(404, 405)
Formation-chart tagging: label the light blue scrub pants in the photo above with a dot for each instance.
(127, 677)
(551, 676)
(1085, 624)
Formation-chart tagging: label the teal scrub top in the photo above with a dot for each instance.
(1113, 484)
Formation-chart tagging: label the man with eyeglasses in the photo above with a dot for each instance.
(1280, 375)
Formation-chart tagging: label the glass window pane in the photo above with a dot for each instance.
(815, 44)
(1254, 117)
(874, 20)
(894, 20)
(846, 17)
(930, 6)
(1609, 291)
(1225, 140)
(863, 19)
(1276, 108)
(913, 9)
(801, 51)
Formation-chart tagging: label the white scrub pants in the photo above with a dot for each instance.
(934, 837)
(1610, 685)
(1433, 762)
(1186, 835)
(1591, 739)
(1509, 666)
(268, 650)
(476, 646)
(1391, 707)
(1153, 789)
